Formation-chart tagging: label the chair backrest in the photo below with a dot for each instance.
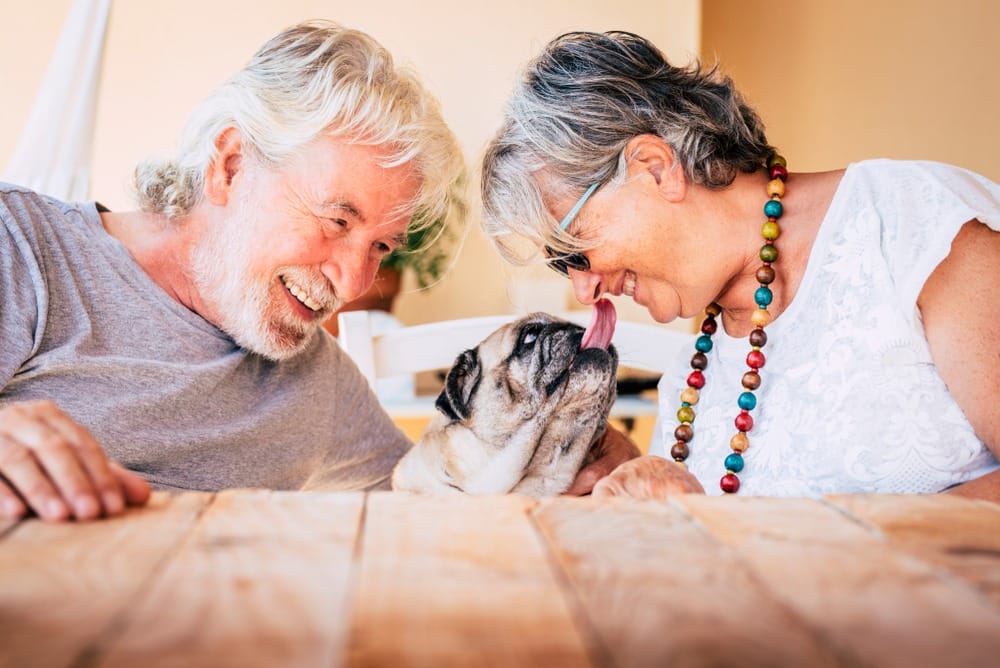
(416, 348)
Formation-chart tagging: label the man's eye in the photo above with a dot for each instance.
(339, 222)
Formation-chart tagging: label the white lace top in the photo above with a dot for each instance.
(850, 400)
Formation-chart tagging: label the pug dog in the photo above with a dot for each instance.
(522, 412)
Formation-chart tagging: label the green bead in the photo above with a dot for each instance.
(768, 253)
(770, 230)
(685, 414)
(776, 160)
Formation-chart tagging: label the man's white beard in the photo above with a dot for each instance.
(251, 309)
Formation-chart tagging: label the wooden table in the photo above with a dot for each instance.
(255, 578)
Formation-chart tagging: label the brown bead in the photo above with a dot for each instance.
(680, 451)
(758, 338)
(713, 309)
(751, 380)
(684, 432)
(765, 275)
(699, 361)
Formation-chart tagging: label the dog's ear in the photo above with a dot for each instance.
(460, 386)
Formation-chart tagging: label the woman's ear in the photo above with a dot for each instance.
(224, 166)
(651, 156)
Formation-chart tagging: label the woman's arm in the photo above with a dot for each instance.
(960, 305)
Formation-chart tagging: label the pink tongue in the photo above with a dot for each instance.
(601, 327)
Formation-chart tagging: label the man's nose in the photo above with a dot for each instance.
(351, 272)
(586, 286)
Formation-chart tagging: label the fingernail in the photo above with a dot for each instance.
(85, 507)
(113, 504)
(12, 508)
(54, 509)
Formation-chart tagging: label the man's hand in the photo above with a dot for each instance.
(649, 478)
(615, 448)
(53, 466)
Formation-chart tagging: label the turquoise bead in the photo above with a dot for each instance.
(704, 343)
(763, 296)
(734, 462)
(773, 209)
(747, 401)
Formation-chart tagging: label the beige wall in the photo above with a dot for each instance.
(842, 80)
(163, 57)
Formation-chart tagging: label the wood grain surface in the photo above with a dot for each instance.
(258, 578)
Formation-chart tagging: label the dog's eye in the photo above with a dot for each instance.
(529, 338)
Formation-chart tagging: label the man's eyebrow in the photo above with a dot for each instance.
(344, 205)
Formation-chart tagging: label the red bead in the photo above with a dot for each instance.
(696, 380)
(744, 422)
(730, 484)
(755, 359)
(709, 326)
(778, 172)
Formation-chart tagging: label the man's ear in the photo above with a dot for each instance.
(224, 167)
(649, 155)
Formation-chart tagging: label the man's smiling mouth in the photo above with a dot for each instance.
(301, 295)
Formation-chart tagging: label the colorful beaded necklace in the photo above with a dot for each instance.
(747, 401)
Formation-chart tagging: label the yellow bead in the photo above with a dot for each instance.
(681, 464)
(775, 188)
(770, 230)
(760, 318)
(739, 442)
(690, 396)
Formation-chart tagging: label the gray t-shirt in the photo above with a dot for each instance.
(165, 392)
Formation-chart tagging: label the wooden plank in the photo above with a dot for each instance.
(659, 591)
(263, 581)
(878, 605)
(960, 534)
(63, 584)
(459, 581)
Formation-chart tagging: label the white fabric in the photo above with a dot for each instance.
(53, 153)
(850, 400)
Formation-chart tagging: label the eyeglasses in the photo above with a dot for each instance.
(563, 262)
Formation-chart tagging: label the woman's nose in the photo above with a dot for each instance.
(586, 286)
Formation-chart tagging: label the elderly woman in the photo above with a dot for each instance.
(851, 336)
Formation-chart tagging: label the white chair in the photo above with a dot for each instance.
(433, 346)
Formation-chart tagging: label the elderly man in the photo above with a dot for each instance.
(179, 345)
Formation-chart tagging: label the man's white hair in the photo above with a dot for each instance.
(316, 78)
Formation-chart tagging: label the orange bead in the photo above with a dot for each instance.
(739, 442)
(690, 396)
(775, 187)
(760, 318)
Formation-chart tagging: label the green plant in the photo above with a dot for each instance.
(426, 253)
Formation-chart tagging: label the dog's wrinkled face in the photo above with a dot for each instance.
(520, 413)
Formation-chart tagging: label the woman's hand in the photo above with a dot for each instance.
(616, 448)
(648, 478)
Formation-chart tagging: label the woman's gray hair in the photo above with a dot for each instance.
(574, 111)
(316, 78)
